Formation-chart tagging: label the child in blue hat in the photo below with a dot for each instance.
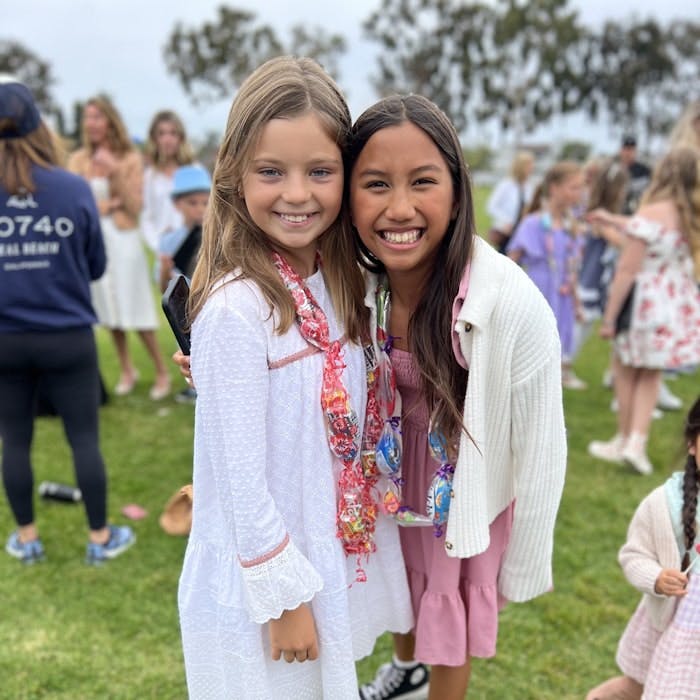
(190, 195)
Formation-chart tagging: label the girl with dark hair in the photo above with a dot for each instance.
(469, 392)
(659, 650)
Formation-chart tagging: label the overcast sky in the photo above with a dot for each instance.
(115, 46)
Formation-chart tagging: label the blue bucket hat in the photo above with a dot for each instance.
(189, 179)
(17, 104)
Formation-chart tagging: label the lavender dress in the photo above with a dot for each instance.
(549, 256)
(455, 601)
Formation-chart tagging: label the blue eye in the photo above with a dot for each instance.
(269, 172)
(320, 172)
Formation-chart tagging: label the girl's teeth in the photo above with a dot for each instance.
(403, 237)
(300, 218)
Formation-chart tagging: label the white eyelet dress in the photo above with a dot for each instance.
(263, 535)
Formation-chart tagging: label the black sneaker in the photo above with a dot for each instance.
(392, 682)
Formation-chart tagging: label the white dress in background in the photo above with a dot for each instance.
(122, 297)
(159, 214)
(265, 493)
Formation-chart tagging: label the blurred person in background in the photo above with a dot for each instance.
(639, 174)
(547, 245)
(654, 279)
(509, 199)
(123, 298)
(167, 148)
(50, 249)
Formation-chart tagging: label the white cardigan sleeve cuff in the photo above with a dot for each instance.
(282, 582)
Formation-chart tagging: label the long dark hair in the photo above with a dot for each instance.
(690, 482)
(444, 381)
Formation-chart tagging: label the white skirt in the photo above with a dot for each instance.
(122, 297)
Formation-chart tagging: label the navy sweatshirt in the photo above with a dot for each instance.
(51, 247)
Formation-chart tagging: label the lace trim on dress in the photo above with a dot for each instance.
(278, 584)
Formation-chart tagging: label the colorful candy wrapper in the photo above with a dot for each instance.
(389, 449)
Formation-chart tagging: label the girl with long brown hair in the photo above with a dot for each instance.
(285, 519)
(166, 149)
(469, 391)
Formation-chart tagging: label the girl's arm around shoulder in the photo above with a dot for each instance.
(230, 371)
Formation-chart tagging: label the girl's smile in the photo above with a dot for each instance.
(401, 197)
(293, 187)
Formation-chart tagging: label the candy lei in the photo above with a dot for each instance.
(566, 286)
(388, 444)
(357, 510)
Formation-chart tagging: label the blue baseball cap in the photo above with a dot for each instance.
(17, 104)
(189, 179)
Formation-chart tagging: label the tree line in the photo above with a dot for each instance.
(518, 63)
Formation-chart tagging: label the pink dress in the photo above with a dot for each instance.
(455, 601)
(664, 329)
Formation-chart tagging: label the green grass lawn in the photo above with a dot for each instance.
(71, 632)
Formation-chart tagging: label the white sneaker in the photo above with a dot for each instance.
(655, 414)
(610, 451)
(570, 381)
(634, 454)
(666, 400)
(607, 381)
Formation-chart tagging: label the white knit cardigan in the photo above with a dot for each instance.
(513, 411)
(651, 546)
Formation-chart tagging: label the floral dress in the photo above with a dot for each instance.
(664, 329)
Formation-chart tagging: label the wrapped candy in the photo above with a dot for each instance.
(389, 448)
(439, 497)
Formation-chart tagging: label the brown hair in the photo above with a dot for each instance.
(609, 187)
(18, 155)
(184, 155)
(676, 178)
(554, 176)
(283, 87)
(443, 380)
(117, 135)
(691, 482)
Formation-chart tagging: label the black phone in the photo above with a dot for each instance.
(174, 303)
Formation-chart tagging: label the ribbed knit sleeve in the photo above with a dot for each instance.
(538, 442)
(639, 556)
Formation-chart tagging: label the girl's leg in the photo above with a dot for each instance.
(646, 391)
(161, 386)
(128, 375)
(17, 388)
(404, 646)
(625, 379)
(72, 383)
(618, 688)
(449, 682)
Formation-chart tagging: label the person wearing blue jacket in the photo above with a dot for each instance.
(51, 248)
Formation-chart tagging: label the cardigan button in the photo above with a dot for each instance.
(448, 545)
(467, 327)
